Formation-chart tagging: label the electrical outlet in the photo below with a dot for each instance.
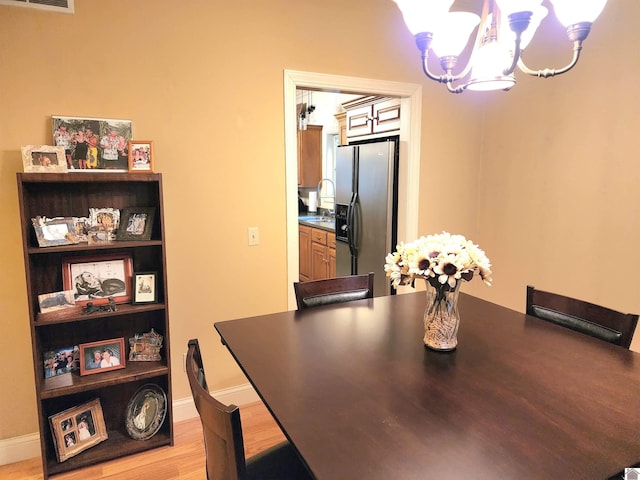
(254, 236)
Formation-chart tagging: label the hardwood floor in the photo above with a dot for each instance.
(185, 460)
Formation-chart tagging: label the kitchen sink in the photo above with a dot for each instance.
(316, 218)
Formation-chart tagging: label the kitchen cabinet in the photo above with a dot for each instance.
(310, 156)
(342, 128)
(323, 254)
(304, 246)
(71, 195)
(317, 249)
(372, 115)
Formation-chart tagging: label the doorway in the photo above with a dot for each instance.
(411, 104)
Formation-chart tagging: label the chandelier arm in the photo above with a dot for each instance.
(550, 72)
(458, 89)
(446, 78)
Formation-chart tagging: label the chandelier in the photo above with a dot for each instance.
(503, 32)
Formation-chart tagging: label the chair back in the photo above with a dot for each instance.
(333, 290)
(600, 322)
(223, 442)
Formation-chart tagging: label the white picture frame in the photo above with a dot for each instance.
(43, 159)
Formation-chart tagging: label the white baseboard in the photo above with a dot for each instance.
(24, 447)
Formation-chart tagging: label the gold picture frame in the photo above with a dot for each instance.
(78, 428)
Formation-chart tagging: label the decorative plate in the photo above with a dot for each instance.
(146, 412)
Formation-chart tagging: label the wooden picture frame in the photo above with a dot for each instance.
(112, 356)
(96, 278)
(144, 286)
(141, 156)
(136, 223)
(78, 428)
(53, 232)
(44, 159)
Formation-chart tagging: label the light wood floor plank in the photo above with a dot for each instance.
(184, 461)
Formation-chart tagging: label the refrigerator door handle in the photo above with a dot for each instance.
(351, 224)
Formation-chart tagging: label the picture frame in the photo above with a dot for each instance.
(78, 428)
(61, 361)
(141, 156)
(144, 287)
(146, 412)
(51, 302)
(102, 225)
(96, 278)
(43, 159)
(102, 356)
(145, 347)
(136, 223)
(93, 144)
(53, 232)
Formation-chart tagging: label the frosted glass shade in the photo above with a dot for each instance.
(423, 15)
(571, 12)
(507, 7)
(452, 33)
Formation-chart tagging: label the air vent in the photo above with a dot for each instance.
(60, 6)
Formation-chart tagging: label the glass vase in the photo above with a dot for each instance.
(441, 317)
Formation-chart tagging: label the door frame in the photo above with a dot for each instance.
(410, 137)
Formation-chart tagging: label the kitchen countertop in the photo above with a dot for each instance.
(318, 221)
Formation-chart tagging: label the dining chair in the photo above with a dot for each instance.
(223, 440)
(333, 290)
(588, 318)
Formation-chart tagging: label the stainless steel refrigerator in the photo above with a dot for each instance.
(366, 209)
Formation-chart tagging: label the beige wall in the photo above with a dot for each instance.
(204, 80)
(559, 172)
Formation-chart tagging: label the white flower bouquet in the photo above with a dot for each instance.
(443, 260)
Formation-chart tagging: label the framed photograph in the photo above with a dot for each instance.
(92, 144)
(145, 347)
(146, 411)
(77, 429)
(136, 223)
(95, 279)
(50, 302)
(44, 158)
(52, 232)
(82, 227)
(103, 356)
(144, 288)
(102, 225)
(140, 156)
(61, 361)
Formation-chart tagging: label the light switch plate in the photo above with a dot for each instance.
(254, 236)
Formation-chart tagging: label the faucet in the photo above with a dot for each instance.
(332, 197)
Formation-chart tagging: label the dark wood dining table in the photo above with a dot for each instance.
(360, 397)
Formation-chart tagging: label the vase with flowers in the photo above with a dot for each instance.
(444, 261)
